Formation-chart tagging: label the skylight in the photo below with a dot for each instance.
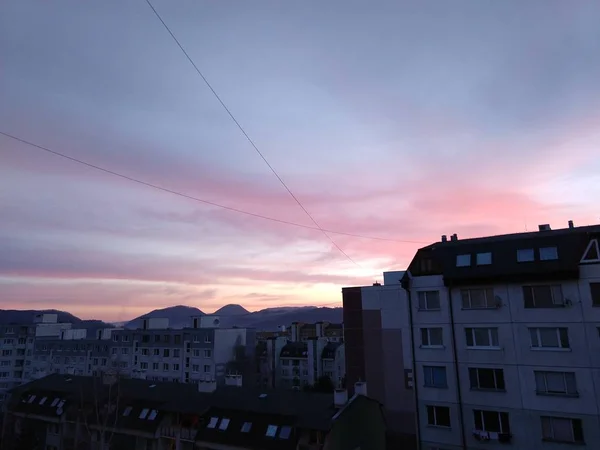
(213, 422)
(153, 414)
(224, 424)
(246, 427)
(60, 404)
(271, 431)
(127, 411)
(43, 400)
(262, 396)
(285, 432)
(55, 402)
(152, 386)
(31, 399)
(144, 413)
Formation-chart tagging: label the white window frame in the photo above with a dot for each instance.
(548, 253)
(484, 259)
(565, 392)
(429, 344)
(492, 333)
(463, 260)
(435, 419)
(525, 255)
(556, 294)
(430, 370)
(551, 420)
(425, 297)
(495, 375)
(490, 298)
(207, 353)
(538, 345)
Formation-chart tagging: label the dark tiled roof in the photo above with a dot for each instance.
(440, 258)
(329, 350)
(294, 350)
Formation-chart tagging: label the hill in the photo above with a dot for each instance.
(179, 316)
(27, 316)
(232, 310)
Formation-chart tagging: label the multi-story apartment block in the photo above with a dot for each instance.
(200, 352)
(16, 347)
(299, 359)
(506, 342)
(378, 351)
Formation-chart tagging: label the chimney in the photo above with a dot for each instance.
(319, 329)
(454, 237)
(340, 397)
(294, 332)
(544, 227)
(360, 387)
(233, 380)
(444, 238)
(571, 224)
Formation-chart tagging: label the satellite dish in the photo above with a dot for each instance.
(59, 411)
(216, 322)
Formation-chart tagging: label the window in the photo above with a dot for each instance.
(525, 255)
(549, 337)
(54, 402)
(548, 253)
(486, 379)
(155, 366)
(125, 338)
(127, 411)
(547, 296)
(144, 413)
(165, 366)
(116, 338)
(435, 376)
(124, 351)
(438, 416)
(562, 430)
(196, 353)
(224, 424)
(195, 368)
(176, 353)
(482, 337)
(484, 259)
(166, 353)
(43, 400)
(595, 293)
(213, 422)
(144, 352)
(271, 431)
(177, 339)
(480, 298)
(246, 427)
(429, 300)
(555, 383)
(206, 368)
(207, 353)
(175, 366)
(207, 339)
(144, 365)
(491, 421)
(284, 432)
(431, 337)
(167, 338)
(153, 414)
(463, 260)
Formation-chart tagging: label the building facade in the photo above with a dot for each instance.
(378, 351)
(505, 336)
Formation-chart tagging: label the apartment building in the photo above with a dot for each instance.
(68, 412)
(302, 356)
(506, 342)
(16, 347)
(202, 351)
(378, 351)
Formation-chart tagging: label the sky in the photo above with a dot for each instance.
(398, 120)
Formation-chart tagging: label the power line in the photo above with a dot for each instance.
(246, 134)
(191, 197)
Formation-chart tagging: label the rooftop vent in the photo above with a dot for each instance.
(454, 237)
(571, 224)
(444, 238)
(377, 283)
(544, 227)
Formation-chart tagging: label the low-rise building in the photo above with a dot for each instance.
(67, 412)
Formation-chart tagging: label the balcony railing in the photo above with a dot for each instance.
(185, 434)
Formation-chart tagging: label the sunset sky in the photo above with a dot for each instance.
(399, 120)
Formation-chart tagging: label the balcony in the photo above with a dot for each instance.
(185, 434)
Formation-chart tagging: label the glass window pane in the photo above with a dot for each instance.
(477, 298)
(549, 337)
(555, 381)
(482, 337)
